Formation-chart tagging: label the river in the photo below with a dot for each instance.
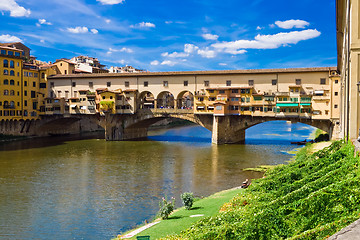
(87, 188)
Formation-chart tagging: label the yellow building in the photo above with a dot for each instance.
(11, 102)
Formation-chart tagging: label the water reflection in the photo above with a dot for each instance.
(93, 189)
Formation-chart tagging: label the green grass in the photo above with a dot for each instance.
(311, 198)
(181, 220)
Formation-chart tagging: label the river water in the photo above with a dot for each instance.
(76, 188)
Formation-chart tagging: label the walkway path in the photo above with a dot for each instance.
(133, 233)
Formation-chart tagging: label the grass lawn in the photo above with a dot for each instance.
(181, 220)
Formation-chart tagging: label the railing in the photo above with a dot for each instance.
(166, 111)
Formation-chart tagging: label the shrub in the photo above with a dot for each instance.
(166, 207)
(187, 199)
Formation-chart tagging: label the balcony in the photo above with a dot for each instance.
(9, 107)
(285, 94)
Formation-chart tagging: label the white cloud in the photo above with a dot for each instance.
(155, 63)
(168, 22)
(14, 8)
(266, 41)
(8, 38)
(143, 25)
(169, 63)
(42, 41)
(110, 2)
(122, 61)
(222, 64)
(107, 20)
(94, 31)
(272, 25)
(44, 22)
(208, 36)
(124, 49)
(78, 30)
(289, 24)
(206, 53)
(190, 48)
(258, 28)
(175, 54)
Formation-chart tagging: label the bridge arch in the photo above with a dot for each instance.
(146, 100)
(165, 99)
(185, 100)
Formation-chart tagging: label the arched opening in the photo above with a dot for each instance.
(185, 100)
(165, 100)
(146, 100)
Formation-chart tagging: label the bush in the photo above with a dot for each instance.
(166, 207)
(187, 199)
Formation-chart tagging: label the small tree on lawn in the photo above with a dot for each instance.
(187, 199)
(166, 207)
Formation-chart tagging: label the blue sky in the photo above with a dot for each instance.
(176, 35)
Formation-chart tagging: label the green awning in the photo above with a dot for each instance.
(287, 104)
(305, 104)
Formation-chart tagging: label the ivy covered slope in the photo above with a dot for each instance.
(311, 198)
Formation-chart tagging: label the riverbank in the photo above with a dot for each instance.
(181, 218)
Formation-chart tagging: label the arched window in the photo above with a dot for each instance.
(6, 82)
(6, 103)
(6, 63)
(12, 65)
(12, 73)
(12, 104)
(42, 75)
(12, 82)
(6, 92)
(12, 92)
(6, 72)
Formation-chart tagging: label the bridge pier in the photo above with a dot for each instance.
(223, 132)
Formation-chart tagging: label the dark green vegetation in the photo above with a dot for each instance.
(321, 136)
(311, 198)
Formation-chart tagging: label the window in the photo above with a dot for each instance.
(6, 92)
(322, 81)
(108, 84)
(247, 99)
(6, 82)
(12, 65)
(34, 105)
(166, 84)
(10, 53)
(6, 63)
(52, 84)
(235, 91)
(42, 85)
(12, 92)
(30, 74)
(251, 82)
(25, 93)
(336, 81)
(146, 84)
(3, 52)
(186, 83)
(17, 54)
(6, 72)
(228, 83)
(66, 94)
(25, 103)
(12, 73)
(297, 81)
(74, 84)
(233, 108)
(218, 107)
(273, 82)
(33, 94)
(257, 98)
(12, 82)
(127, 84)
(42, 75)
(103, 97)
(26, 74)
(34, 84)
(36, 75)
(335, 106)
(91, 84)
(221, 91)
(336, 93)
(111, 97)
(65, 72)
(206, 83)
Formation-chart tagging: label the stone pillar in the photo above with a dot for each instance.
(223, 132)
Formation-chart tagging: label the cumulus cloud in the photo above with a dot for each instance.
(289, 24)
(42, 41)
(94, 31)
(143, 25)
(78, 30)
(190, 48)
(266, 41)
(9, 38)
(208, 36)
(124, 49)
(206, 53)
(43, 22)
(155, 63)
(222, 64)
(169, 63)
(175, 54)
(107, 20)
(258, 28)
(110, 2)
(14, 8)
(122, 61)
